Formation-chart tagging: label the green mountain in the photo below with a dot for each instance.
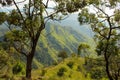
(72, 68)
(56, 38)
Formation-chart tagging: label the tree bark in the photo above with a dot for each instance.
(107, 65)
(108, 71)
(29, 66)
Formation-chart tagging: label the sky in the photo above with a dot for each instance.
(72, 18)
(51, 4)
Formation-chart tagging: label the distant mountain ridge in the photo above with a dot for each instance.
(56, 38)
(72, 21)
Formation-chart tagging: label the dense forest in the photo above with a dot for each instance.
(38, 42)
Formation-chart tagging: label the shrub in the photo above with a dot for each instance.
(17, 68)
(70, 64)
(73, 55)
(55, 63)
(43, 72)
(61, 71)
(62, 55)
(79, 68)
(97, 73)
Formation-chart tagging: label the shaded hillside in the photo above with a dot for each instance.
(72, 20)
(56, 38)
(71, 68)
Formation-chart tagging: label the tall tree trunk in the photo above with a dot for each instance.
(108, 71)
(107, 67)
(29, 66)
(34, 41)
(30, 58)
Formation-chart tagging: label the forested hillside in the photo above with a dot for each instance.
(59, 40)
(56, 38)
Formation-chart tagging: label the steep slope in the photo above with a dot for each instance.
(72, 21)
(71, 68)
(56, 38)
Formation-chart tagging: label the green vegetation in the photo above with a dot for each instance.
(63, 55)
(55, 39)
(63, 72)
(49, 47)
(70, 64)
(31, 47)
(106, 28)
(17, 68)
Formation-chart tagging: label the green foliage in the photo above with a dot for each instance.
(96, 2)
(71, 5)
(3, 17)
(86, 17)
(113, 3)
(61, 71)
(97, 73)
(69, 73)
(73, 55)
(106, 28)
(70, 64)
(31, 22)
(43, 72)
(15, 35)
(56, 38)
(14, 18)
(113, 48)
(83, 47)
(117, 15)
(78, 68)
(5, 2)
(3, 58)
(96, 68)
(17, 68)
(63, 55)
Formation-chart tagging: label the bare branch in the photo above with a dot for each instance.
(21, 2)
(101, 10)
(45, 4)
(19, 50)
(29, 8)
(102, 35)
(61, 19)
(51, 15)
(18, 10)
(118, 27)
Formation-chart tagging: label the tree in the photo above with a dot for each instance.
(26, 24)
(107, 35)
(63, 55)
(61, 71)
(5, 2)
(3, 59)
(83, 47)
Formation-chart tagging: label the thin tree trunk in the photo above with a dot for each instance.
(30, 58)
(29, 66)
(108, 71)
(107, 66)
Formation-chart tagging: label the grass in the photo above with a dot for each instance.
(70, 74)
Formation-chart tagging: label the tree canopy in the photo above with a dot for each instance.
(106, 26)
(26, 25)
